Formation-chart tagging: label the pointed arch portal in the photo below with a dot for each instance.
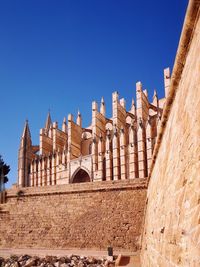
(81, 176)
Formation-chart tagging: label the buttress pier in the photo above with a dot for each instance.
(115, 148)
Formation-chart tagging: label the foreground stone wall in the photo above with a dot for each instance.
(87, 215)
(172, 223)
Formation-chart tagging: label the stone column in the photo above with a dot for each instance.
(39, 172)
(108, 156)
(49, 170)
(53, 169)
(133, 159)
(142, 150)
(58, 161)
(94, 136)
(142, 115)
(32, 173)
(116, 155)
(100, 158)
(36, 172)
(44, 172)
(123, 166)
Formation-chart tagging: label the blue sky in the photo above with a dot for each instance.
(62, 55)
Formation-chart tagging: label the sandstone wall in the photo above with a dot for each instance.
(172, 223)
(87, 215)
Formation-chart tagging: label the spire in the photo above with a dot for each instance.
(64, 125)
(155, 98)
(26, 132)
(24, 156)
(48, 121)
(132, 107)
(154, 93)
(79, 119)
(102, 108)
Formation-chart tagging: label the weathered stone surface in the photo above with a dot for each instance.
(172, 223)
(93, 215)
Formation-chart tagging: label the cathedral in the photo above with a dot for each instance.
(115, 148)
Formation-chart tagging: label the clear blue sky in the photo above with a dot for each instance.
(64, 54)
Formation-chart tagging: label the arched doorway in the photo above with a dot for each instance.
(81, 177)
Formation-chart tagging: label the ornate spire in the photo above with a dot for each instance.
(48, 121)
(26, 132)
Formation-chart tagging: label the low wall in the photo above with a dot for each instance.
(87, 215)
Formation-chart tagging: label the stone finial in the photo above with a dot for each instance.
(79, 119)
(123, 103)
(26, 132)
(64, 125)
(102, 107)
(94, 106)
(64, 120)
(70, 117)
(139, 86)
(115, 96)
(155, 98)
(48, 121)
(55, 125)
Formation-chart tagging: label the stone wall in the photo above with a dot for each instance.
(87, 215)
(172, 222)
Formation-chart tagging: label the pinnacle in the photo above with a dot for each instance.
(48, 121)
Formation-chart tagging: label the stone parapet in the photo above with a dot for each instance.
(140, 183)
(81, 216)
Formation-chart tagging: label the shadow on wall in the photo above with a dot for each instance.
(81, 177)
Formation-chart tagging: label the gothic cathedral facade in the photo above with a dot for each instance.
(116, 148)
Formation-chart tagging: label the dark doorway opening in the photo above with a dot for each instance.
(81, 177)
